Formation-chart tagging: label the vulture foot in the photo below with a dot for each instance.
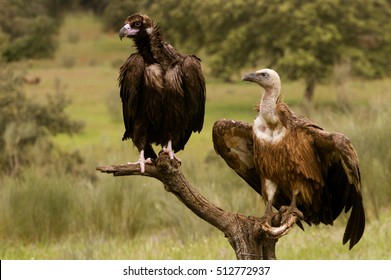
(288, 215)
(288, 211)
(268, 219)
(267, 223)
(168, 150)
(142, 162)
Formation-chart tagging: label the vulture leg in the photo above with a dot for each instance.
(271, 189)
(142, 161)
(291, 210)
(170, 151)
(290, 214)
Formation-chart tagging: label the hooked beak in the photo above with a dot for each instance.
(249, 77)
(127, 31)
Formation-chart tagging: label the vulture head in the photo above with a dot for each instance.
(136, 25)
(266, 78)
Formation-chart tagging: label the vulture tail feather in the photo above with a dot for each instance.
(356, 224)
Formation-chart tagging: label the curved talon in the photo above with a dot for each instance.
(288, 211)
(289, 216)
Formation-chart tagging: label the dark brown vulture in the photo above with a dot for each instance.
(162, 91)
(293, 162)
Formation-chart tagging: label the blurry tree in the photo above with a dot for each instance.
(301, 39)
(26, 126)
(97, 6)
(27, 30)
(117, 11)
(357, 32)
(181, 22)
(31, 27)
(232, 34)
(178, 19)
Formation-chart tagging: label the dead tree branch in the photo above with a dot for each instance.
(248, 236)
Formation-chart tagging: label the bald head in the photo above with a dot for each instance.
(266, 78)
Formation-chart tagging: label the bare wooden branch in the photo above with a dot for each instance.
(248, 236)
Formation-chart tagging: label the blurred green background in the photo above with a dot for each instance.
(60, 117)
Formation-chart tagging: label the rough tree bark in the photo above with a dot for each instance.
(249, 236)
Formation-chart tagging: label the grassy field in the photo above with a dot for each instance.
(61, 217)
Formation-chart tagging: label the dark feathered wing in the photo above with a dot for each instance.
(343, 180)
(339, 164)
(130, 81)
(184, 95)
(194, 90)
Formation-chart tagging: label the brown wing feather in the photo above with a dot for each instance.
(185, 96)
(194, 90)
(339, 165)
(343, 180)
(305, 160)
(130, 82)
(233, 141)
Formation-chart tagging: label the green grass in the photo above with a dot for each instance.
(315, 243)
(57, 216)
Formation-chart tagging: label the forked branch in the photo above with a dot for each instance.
(248, 236)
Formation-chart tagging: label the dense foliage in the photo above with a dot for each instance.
(28, 29)
(26, 125)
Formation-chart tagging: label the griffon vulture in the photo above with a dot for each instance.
(162, 91)
(294, 163)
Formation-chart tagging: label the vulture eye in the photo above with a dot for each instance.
(137, 24)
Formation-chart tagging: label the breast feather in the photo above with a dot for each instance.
(154, 76)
